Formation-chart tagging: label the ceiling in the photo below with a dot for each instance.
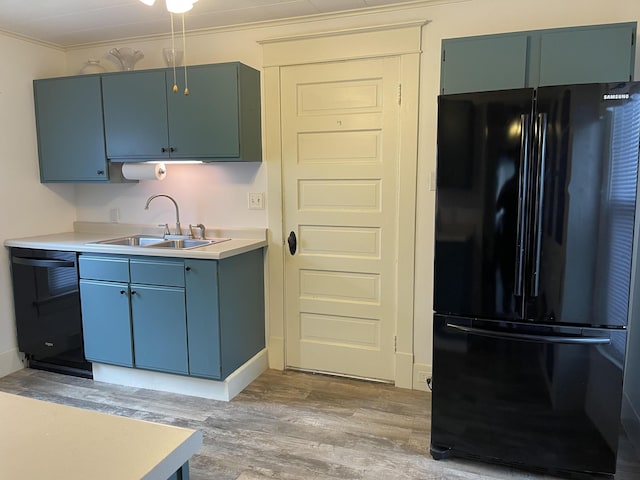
(68, 23)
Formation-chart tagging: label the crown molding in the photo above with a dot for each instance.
(34, 41)
(414, 4)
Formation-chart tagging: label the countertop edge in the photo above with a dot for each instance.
(81, 242)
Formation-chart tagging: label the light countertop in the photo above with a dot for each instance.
(242, 240)
(46, 440)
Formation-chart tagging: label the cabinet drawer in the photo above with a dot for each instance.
(167, 272)
(110, 269)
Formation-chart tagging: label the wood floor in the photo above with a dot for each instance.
(291, 425)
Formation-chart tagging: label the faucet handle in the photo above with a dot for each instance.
(202, 231)
(166, 228)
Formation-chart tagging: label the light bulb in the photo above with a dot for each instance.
(179, 6)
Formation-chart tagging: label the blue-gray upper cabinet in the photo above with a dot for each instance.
(475, 64)
(135, 115)
(587, 55)
(218, 121)
(593, 54)
(70, 132)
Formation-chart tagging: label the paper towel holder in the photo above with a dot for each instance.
(115, 173)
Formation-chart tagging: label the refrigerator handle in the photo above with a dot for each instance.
(541, 130)
(528, 337)
(522, 200)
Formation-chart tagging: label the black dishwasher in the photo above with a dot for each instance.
(47, 310)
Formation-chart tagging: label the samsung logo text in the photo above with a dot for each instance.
(615, 96)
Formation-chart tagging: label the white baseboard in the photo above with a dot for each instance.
(11, 361)
(421, 371)
(223, 390)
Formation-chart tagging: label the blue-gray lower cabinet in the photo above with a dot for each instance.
(203, 318)
(106, 322)
(225, 313)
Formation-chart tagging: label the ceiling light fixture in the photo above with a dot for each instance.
(177, 6)
(174, 6)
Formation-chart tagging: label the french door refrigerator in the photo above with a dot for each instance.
(535, 205)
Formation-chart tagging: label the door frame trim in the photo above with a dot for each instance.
(402, 40)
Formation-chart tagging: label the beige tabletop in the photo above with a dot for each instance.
(44, 440)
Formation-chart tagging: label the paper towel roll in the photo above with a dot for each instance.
(144, 171)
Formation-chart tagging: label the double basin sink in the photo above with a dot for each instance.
(160, 242)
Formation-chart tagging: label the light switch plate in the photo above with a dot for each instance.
(256, 201)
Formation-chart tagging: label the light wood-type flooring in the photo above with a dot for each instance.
(291, 425)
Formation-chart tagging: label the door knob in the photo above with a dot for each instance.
(293, 242)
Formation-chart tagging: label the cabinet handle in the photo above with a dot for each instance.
(172, 149)
(100, 172)
(133, 292)
(164, 149)
(123, 292)
(188, 269)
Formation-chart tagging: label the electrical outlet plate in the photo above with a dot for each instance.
(256, 200)
(114, 215)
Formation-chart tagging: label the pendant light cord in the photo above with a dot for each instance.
(173, 55)
(184, 49)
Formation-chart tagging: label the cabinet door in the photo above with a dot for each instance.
(201, 280)
(106, 322)
(587, 55)
(476, 64)
(205, 123)
(135, 115)
(71, 145)
(159, 328)
(241, 294)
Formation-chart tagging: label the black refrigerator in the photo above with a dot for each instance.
(534, 235)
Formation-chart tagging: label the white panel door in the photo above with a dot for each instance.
(340, 176)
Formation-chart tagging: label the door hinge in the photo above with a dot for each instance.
(395, 344)
(444, 55)
(399, 94)
(633, 38)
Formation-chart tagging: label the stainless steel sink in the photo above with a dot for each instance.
(184, 244)
(133, 241)
(148, 241)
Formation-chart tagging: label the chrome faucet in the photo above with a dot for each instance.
(146, 207)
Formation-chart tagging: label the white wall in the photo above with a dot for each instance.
(216, 194)
(28, 207)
